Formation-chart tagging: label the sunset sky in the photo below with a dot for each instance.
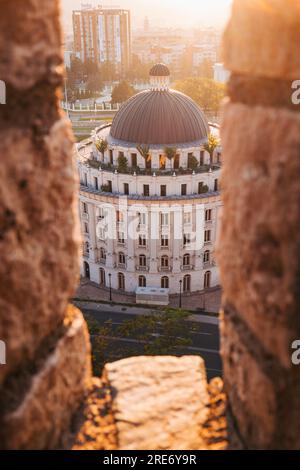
(164, 12)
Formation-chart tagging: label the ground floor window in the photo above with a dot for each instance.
(187, 283)
(207, 280)
(121, 281)
(142, 281)
(87, 270)
(102, 277)
(165, 282)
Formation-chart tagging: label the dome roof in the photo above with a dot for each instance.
(159, 70)
(160, 117)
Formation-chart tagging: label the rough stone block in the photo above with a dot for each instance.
(41, 414)
(263, 37)
(39, 239)
(260, 239)
(159, 402)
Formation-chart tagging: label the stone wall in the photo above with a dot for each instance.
(48, 398)
(260, 241)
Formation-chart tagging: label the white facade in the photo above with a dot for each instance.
(148, 227)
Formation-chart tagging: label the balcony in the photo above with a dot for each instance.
(187, 267)
(165, 269)
(121, 266)
(142, 268)
(102, 261)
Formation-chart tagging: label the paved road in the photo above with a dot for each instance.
(204, 342)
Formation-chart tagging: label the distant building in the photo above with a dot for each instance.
(103, 35)
(203, 52)
(68, 56)
(146, 24)
(221, 75)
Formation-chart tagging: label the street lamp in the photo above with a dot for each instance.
(180, 289)
(110, 298)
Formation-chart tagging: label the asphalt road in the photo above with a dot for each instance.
(205, 341)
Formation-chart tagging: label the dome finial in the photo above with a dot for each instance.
(159, 77)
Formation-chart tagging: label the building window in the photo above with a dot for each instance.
(206, 256)
(164, 241)
(201, 157)
(176, 162)
(102, 277)
(121, 238)
(134, 160)
(187, 283)
(121, 258)
(126, 189)
(208, 215)
(121, 281)
(86, 228)
(186, 239)
(216, 185)
(109, 186)
(101, 215)
(142, 261)
(207, 236)
(207, 280)
(164, 282)
(142, 240)
(164, 219)
(142, 281)
(111, 157)
(84, 208)
(163, 190)
(85, 179)
(142, 218)
(146, 190)
(96, 186)
(200, 187)
(183, 190)
(186, 260)
(164, 261)
(162, 162)
(102, 254)
(187, 218)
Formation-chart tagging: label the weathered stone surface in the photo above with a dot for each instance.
(257, 417)
(45, 409)
(263, 37)
(260, 237)
(39, 238)
(159, 402)
(94, 424)
(30, 43)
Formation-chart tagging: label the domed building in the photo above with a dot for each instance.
(149, 194)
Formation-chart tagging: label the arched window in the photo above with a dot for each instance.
(121, 258)
(207, 280)
(164, 261)
(142, 261)
(186, 260)
(187, 283)
(102, 254)
(206, 256)
(165, 282)
(142, 281)
(86, 270)
(86, 249)
(102, 277)
(121, 281)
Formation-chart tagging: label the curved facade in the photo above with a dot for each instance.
(154, 221)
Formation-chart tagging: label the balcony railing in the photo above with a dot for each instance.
(165, 269)
(187, 267)
(142, 268)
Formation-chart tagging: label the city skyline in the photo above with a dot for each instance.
(169, 14)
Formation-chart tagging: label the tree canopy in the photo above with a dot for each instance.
(122, 92)
(207, 93)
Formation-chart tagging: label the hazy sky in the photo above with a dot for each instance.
(164, 12)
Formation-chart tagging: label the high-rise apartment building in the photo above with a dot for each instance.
(103, 35)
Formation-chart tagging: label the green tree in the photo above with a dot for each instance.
(170, 153)
(207, 93)
(122, 92)
(101, 146)
(211, 145)
(192, 162)
(161, 333)
(144, 151)
(122, 164)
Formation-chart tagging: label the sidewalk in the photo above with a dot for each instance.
(91, 291)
